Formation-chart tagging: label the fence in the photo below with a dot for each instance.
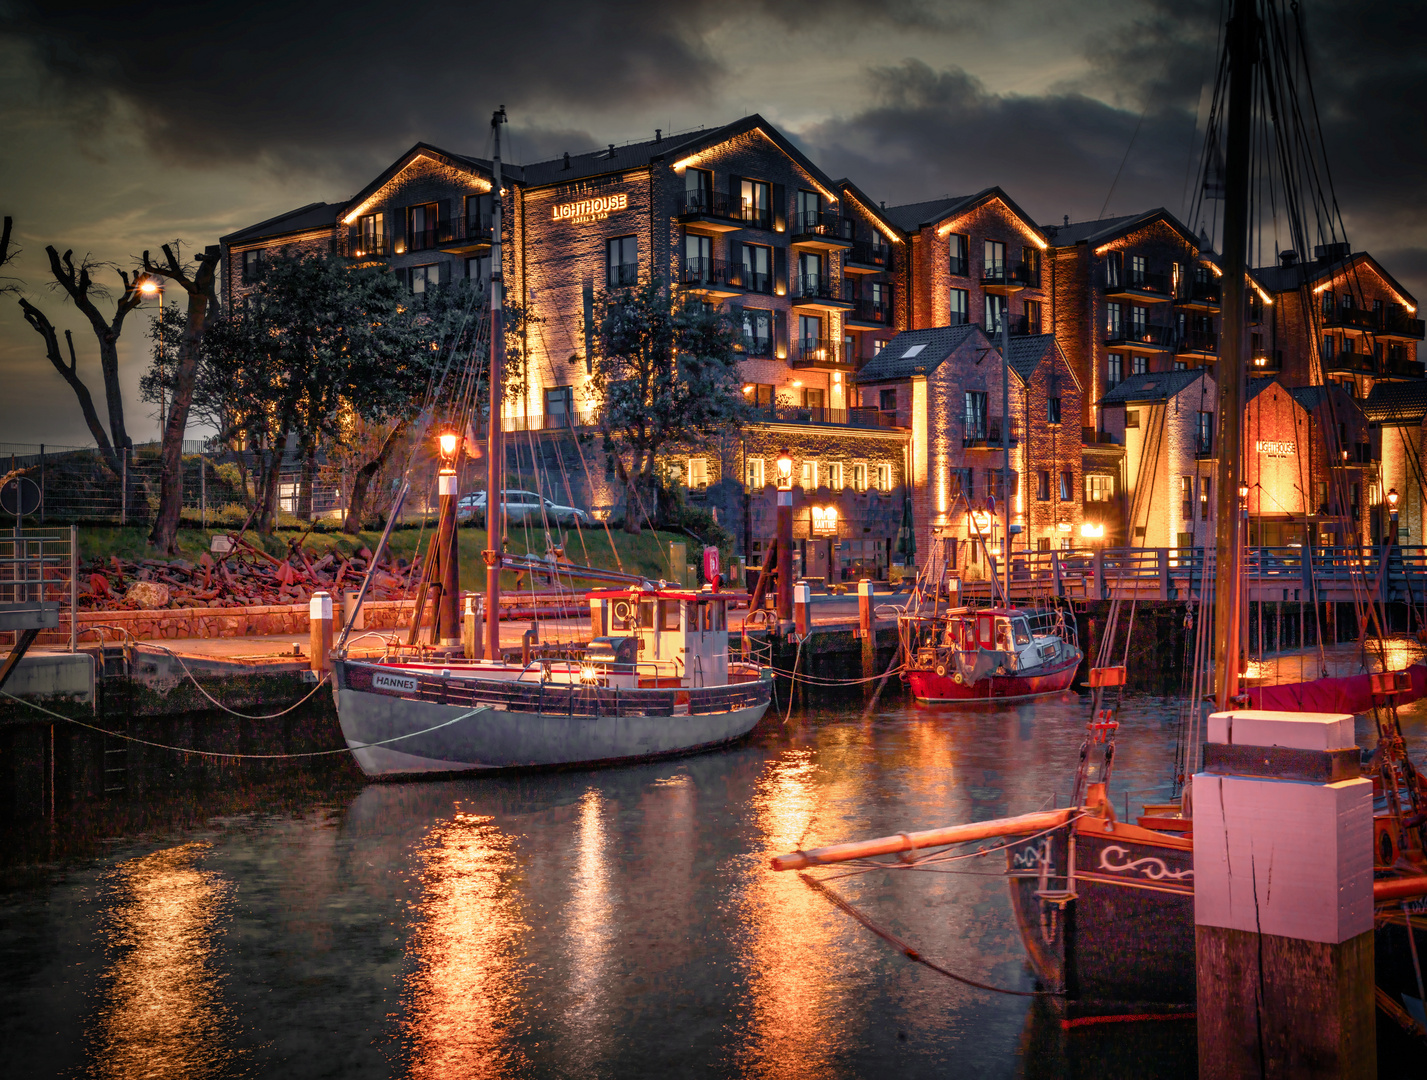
(37, 580)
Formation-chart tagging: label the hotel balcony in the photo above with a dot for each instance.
(1145, 339)
(1352, 362)
(1386, 324)
(820, 353)
(819, 291)
(465, 237)
(986, 439)
(820, 229)
(1003, 278)
(360, 247)
(1200, 296)
(1399, 367)
(712, 277)
(812, 414)
(865, 258)
(1198, 343)
(871, 313)
(712, 210)
(1143, 287)
(1203, 447)
(1400, 325)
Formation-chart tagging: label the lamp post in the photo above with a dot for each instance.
(448, 612)
(1392, 517)
(1243, 578)
(785, 540)
(151, 286)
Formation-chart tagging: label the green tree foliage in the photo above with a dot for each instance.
(666, 373)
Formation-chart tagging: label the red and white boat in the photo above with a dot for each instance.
(988, 654)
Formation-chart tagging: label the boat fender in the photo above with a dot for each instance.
(957, 678)
(941, 669)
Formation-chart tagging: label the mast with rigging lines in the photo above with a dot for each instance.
(495, 451)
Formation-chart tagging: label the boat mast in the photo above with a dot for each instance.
(1232, 365)
(1006, 441)
(495, 452)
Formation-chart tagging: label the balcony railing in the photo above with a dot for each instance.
(875, 311)
(1348, 361)
(816, 414)
(622, 275)
(818, 287)
(821, 225)
(759, 281)
(362, 247)
(423, 239)
(1006, 275)
(559, 421)
(757, 346)
(1198, 341)
(1203, 446)
(1389, 321)
(1401, 324)
(808, 352)
(865, 254)
(1144, 282)
(1153, 337)
(1202, 293)
(707, 273)
(709, 204)
(1402, 368)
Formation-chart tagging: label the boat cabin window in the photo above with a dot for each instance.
(1003, 634)
(646, 614)
(1023, 631)
(668, 614)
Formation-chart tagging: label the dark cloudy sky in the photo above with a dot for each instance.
(123, 126)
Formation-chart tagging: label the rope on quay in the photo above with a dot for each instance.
(240, 757)
(818, 680)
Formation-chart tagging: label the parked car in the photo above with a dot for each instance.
(521, 506)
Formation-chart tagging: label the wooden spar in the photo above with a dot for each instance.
(1402, 888)
(952, 834)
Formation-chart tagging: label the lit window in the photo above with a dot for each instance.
(884, 478)
(755, 477)
(834, 475)
(698, 473)
(859, 477)
(810, 476)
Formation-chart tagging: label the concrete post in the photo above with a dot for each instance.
(470, 622)
(802, 600)
(1283, 900)
(319, 615)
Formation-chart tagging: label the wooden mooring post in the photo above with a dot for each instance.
(319, 621)
(1283, 899)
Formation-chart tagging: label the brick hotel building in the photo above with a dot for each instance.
(823, 280)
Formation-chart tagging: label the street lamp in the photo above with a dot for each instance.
(785, 470)
(448, 446)
(152, 286)
(1392, 516)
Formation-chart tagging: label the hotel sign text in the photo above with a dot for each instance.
(1274, 449)
(596, 209)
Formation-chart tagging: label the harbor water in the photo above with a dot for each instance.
(618, 922)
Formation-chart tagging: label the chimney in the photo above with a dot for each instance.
(1067, 221)
(567, 159)
(611, 149)
(1287, 257)
(658, 135)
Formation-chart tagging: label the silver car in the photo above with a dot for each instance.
(521, 506)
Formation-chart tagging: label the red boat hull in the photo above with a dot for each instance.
(1347, 694)
(928, 686)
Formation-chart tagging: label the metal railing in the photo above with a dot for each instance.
(818, 287)
(822, 224)
(1005, 274)
(622, 275)
(809, 351)
(1200, 292)
(1139, 282)
(858, 417)
(1158, 337)
(710, 204)
(865, 254)
(701, 272)
(1198, 341)
(878, 311)
(38, 581)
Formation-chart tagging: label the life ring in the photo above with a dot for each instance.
(941, 669)
(957, 678)
(622, 610)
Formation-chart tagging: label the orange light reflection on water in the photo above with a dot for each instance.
(589, 918)
(466, 950)
(162, 1013)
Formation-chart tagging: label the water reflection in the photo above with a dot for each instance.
(465, 951)
(589, 929)
(162, 1013)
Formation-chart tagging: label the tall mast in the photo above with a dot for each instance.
(1232, 366)
(1006, 443)
(495, 451)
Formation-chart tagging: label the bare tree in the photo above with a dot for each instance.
(78, 283)
(202, 302)
(7, 254)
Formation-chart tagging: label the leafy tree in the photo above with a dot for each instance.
(666, 373)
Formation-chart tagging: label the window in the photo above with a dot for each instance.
(1114, 370)
(757, 268)
(960, 308)
(1114, 320)
(754, 475)
(995, 260)
(698, 473)
(878, 344)
(859, 476)
(1052, 410)
(762, 395)
(1033, 317)
(370, 238)
(1205, 439)
(757, 332)
(975, 414)
(478, 272)
(425, 277)
(834, 475)
(559, 406)
(1132, 418)
(1180, 365)
(1206, 491)
(809, 480)
(1137, 271)
(1329, 346)
(1186, 498)
(809, 212)
(1139, 365)
(810, 332)
(622, 261)
(1067, 485)
(995, 312)
(887, 400)
(1099, 488)
(814, 397)
(1113, 262)
(1327, 303)
(995, 483)
(252, 266)
(959, 254)
(884, 478)
(668, 615)
(422, 222)
(1139, 321)
(698, 189)
(1043, 486)
(478, 215)
(755, 203)
(698, 259)
(809, 280)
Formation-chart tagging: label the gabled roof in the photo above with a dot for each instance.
(913, 216)
(847, 187)
(474, 166)
(318, 215)
(1280, 279)
(1094, 233)
(1396, 402)
(917, 352)
(1027, 352)
(1258, 385)
(1153, 386)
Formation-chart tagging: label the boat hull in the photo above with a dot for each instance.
(930, 687)
(433, 725)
